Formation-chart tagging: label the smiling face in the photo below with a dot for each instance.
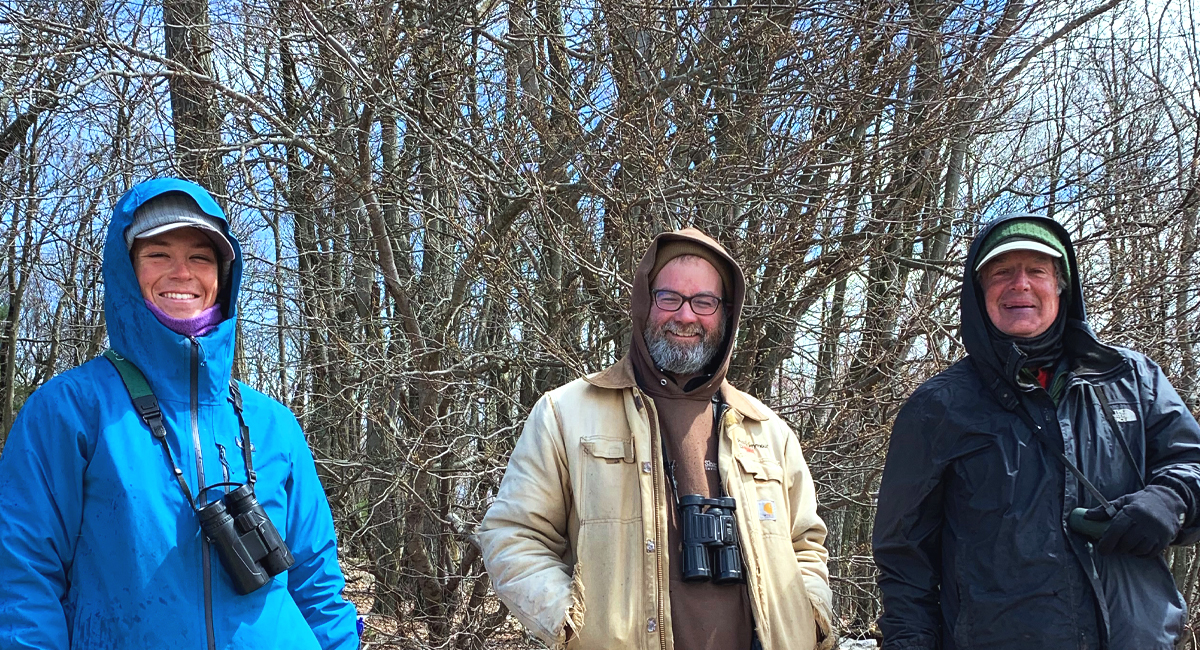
(1021, 292)
(177, 271)
(684, 342)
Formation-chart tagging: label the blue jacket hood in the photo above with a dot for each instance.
(133, 330)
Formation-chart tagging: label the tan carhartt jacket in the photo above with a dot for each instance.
(576, 535)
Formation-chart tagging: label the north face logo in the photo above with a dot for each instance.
(1124, 415)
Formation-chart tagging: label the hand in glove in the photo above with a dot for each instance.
(1146, 522)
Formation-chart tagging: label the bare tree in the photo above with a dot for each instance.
(442, 205)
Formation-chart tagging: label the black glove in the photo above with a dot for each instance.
(1146, 523)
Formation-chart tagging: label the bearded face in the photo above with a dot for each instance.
(675, 348)
(686, 324)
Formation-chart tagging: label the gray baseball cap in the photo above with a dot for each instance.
(167, 212)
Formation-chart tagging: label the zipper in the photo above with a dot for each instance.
(224, 462)
(205, 547)
(655, 468)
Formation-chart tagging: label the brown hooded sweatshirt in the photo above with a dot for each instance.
(706, 616)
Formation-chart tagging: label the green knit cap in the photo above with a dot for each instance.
(1011, 233)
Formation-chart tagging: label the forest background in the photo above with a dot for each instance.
(442, 204)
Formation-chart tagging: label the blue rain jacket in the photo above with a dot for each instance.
(971, 535)
(98, 545)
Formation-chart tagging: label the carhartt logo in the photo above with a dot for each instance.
(709, 465)
(1124, 415)
(766, 510)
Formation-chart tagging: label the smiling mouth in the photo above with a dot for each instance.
(179, 296)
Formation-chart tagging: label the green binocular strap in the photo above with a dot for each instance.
(146, 405)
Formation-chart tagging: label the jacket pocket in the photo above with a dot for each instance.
(613, 451)
(760, 469)
(609, 489)
(769, 510)
(1119, 462)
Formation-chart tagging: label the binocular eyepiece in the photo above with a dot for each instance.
(250, 547)
(710, 544)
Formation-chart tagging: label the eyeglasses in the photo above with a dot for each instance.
(702, 304)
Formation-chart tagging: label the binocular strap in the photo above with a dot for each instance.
(235, 396)
(1039, 434)
(146, 405)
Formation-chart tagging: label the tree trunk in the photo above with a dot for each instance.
(196, 117)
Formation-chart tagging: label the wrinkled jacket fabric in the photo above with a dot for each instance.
(970, 536)
(576, 535)
(98, 545)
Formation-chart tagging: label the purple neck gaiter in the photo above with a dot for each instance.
(199, 325)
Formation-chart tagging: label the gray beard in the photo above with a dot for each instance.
(682, 359)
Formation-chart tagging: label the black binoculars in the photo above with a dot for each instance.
(710, 544)
(250, 548)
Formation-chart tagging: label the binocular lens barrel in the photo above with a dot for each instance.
(213, 515)
(729, 566)
(248, 544)
(241, 500)
(695, 563)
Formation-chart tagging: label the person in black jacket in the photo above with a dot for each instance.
(974, 535)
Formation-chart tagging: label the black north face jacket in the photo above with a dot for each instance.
(971, 535)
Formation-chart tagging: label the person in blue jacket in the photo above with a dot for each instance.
(99, 545)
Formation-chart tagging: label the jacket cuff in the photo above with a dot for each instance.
(574, 616)
(1187, 503)
(826, 638)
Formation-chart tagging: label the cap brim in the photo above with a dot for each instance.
(220, 242)
(1017, 245)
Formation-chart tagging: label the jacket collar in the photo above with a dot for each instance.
(619, 376)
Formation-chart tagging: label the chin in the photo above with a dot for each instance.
(181, 315)
(1026, 332)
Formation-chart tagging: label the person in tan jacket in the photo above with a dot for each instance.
(583, 541)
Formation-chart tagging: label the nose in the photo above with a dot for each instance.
(685, 314)
(180, 268)
(1021, 280)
